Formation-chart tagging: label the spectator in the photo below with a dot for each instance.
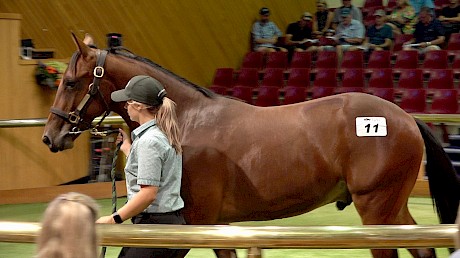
(379, 36)
(322, 20)
(68, 228)
(450, 18)
(403, 19)
(349, 33)
(265, 33)
(298, 32)
(418, 4)
(355, 13)
(429, 33)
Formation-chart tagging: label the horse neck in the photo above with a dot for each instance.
(121, 69)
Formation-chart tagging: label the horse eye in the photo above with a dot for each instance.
(70, 84)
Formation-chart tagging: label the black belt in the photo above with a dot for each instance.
(177, 213)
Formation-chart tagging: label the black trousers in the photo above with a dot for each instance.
(153, 218)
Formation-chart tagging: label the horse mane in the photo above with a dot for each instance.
(73, 61)
(126, 53)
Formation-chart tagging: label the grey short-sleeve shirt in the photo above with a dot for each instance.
(153, 161)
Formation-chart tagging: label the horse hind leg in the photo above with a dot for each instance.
(379, 209)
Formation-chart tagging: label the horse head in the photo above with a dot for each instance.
(83, 94)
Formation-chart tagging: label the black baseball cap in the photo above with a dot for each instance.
(143, 89)
(264, 11)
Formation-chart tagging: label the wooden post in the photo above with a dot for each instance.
(254, 252)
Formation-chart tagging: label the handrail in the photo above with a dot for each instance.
(38, 122)
(230, 237)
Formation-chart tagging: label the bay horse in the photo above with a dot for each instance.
(248, 163)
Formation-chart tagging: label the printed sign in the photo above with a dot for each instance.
(371, 126)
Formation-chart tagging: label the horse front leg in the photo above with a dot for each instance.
(225, 253)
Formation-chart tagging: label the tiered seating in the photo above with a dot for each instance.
(417, 82)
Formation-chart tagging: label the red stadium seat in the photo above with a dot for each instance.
(243, 93)
(413, 100)
(268, 96)
(273, 77)
(248, 77)
(294, 95)
(277, 60)
(353, 78)
(384, 93)
(381, 78)
(453, 45)
(219, 89)
(436, 59)
(400, 39)
(444, 102)
(326, 59)
(406, 59)
(319, 92)
(441, 79)
(379, 59)
(352, 59)
(326, 78)
(223, 77)
(390, 5)
(253, 60)
(299, 77)
(456, 65)
(301, 60)
(349, 89)
(373, 3)
(410, 79)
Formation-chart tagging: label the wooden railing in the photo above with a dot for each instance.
(255, 238)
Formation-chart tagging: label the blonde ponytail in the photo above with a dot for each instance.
(166, 119)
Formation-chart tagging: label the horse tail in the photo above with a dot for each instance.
(442, 177)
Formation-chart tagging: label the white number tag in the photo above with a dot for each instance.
(371, 126)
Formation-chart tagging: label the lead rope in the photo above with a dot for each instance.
(114, 188)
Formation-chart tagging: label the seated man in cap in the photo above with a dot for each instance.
(429, 33)
(349, 33)
(378, 36)
(299, 34)
(355, 13)
(265, 33)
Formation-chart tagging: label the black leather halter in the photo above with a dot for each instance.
(75, 117)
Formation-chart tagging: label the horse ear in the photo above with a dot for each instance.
(82, 47)
(88, 40)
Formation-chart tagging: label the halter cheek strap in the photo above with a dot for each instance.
(74, 117)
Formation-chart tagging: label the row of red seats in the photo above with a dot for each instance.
(224, 80)
(443, 101)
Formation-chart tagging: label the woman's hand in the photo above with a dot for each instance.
(106, 220)
(124, 138)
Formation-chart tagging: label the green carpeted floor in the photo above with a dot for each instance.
(421, 209)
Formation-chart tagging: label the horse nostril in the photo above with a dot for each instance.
(46, 140)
